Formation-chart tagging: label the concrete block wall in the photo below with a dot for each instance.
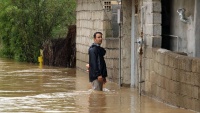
(152, 22)
(91, 18)
(172, 78)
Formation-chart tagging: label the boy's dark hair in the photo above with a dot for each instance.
(94, 36)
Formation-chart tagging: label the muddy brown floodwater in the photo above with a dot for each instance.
(29, 88)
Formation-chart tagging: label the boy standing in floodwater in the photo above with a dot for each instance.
(97, 65)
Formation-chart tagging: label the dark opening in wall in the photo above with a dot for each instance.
(166, 38)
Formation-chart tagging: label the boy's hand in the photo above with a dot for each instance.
(87, 65)
(100, 78)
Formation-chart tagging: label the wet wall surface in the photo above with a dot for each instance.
(29, 88)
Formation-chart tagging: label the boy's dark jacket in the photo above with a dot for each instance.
(96, 62)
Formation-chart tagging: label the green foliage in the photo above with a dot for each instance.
(26, 24)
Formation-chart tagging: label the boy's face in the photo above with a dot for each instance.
(98, 39)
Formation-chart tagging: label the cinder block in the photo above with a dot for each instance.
(175, 74)
(82, 57)
(146, 63)
(153, 41)
(186, 90)
(175, 87)
(187, 102)
(185, 63)
(154, 6)
(82, 48)
(152, 77)
(173, 60)
(148, 86)
(167, 84)
(197, 104)
(153, 29)
(98, 24)
(112, 53)
(168, 74)
(81, 65)
(112, 43)
(153, 18)
(174, 99)
(195, 92)
(196, 65)
(151, 64)
(196, 79)
(148, 53)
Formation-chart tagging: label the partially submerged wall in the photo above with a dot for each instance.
(172, 78)
(92, 17)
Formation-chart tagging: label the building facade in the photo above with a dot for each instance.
(166, 65)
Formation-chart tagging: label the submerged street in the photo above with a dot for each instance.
(29, 88)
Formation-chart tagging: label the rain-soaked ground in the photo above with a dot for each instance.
(30, 88)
